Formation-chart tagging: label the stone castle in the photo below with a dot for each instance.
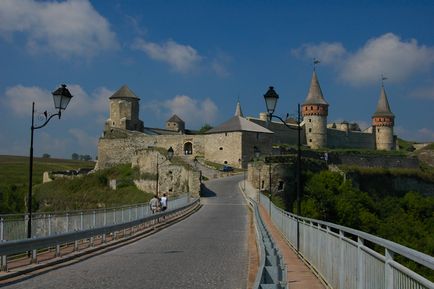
(235, 141)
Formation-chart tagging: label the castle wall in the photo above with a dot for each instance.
(349, 139)
(262, 141)
(124, 114)
(282, 134)
(224, 147)
(119, 146)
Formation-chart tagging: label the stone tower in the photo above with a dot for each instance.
(315, 111)
(175, 123)
(238, 111)
(124, 110)
(383, 121)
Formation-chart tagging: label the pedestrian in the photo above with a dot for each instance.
(154, 204)
(163, 202)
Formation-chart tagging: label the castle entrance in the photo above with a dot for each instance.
(188, 148)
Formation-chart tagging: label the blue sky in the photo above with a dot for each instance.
(196, 58)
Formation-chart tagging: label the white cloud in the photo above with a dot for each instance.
(68, 28)
(418, 135)
(194, 112)
(327, 53)
(219, 64)
(84, 140)
(19, 98)
(389, 55)
(182, 58)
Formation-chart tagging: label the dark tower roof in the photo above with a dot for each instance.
(383, 108)
(238, 123)
(175, 118)
(124, 92)
(314, 95)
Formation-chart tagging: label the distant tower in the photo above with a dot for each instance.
(175, 123)
(315, 111)
(383, 121)
(238, 111)
(124, 110)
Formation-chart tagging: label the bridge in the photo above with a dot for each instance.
(209, 249)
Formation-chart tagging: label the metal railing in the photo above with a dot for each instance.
(341, 255)
(11, 248)
(272, 272)
(14, 227)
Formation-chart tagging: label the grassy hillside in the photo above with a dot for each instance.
(92, 191)
(14, 171)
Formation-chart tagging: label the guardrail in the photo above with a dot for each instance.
(14, 227)
(33, 245)
(272, 272)
(343, 258)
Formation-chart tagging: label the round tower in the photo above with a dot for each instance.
(124, 110)
(383, 121)
(315, 111)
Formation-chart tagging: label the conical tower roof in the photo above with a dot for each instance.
(238, 111)
(314, 95)
(124, 92)
(175, 118)
(383, 108)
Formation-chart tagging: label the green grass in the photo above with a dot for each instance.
(91, 191)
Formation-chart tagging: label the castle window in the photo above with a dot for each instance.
(310, 120)
(310, 140)
(310, 130)
(311, 108)
(378, 130)
(257, 135)
(221, 148)
(280, 187)
(225, 162)
(226, 134)
(262, 184)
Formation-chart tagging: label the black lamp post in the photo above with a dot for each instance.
(61, 97)
(169, 157)
(271, 98)
(256, 153)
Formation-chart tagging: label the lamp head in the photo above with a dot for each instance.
(61, 97)
(271, 98)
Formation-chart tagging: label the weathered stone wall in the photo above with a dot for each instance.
(282, 134)
(174, 179)
(262, 141)
(118, 146)
(124, 114)
(224, 148)
(349, 139)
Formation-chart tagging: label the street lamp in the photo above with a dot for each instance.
(169, 157)
(256, 153)
(271, 98)
(61, 97)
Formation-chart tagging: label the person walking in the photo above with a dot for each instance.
(154, 204)
(163, 202)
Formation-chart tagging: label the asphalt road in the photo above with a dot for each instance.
(207, 250)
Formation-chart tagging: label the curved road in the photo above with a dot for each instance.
(206, 250)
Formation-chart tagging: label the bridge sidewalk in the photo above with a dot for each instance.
(299, 275)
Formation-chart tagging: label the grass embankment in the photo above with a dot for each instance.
(14, 178)
(85, 192)
(92, 191)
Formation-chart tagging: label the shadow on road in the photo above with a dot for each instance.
(207, 193)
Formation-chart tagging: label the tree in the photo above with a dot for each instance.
(75, 156)
(46, 156)
(206, 127)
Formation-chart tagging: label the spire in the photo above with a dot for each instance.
(238, 111)
(314, 95)
(383, 108)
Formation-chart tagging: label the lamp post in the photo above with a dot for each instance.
(169, 157)
(271, 98)
(257, 153)
(61, 97)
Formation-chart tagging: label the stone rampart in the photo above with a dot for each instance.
(349, 139)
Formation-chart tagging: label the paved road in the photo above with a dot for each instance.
(207, 250)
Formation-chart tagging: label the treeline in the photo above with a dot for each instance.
(407, 220)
